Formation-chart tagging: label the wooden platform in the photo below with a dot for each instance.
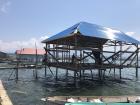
(60, 100)
(87, 66)
(4, 98)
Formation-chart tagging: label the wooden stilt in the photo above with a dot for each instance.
(137, 61)
(67, 76)
(46, 60)
(91, 74)
(120, 73)
(83, 74)
(99, 73)
(115, 59)
(120, 60)
(45, 70)
(56, 74)
(16, 73)
(136, 72)
(103, 73)
(75, 77)
(80, 73)
(114, 72)
(36, 74)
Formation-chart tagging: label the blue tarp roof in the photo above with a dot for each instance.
(93, 30)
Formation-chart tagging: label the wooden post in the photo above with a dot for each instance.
(83, 74)
(80, 74)
(101, 63)
(36, 74)
(91, 74)
(66, 76)
(75, 71)
(45, 70)
(56, 74)
(18, 60)
(56, 56)
(17, 71)
(46, 58)
(115, 60)
(69, 52)
(18, 57)
(137, 62)
(74, 77)
(120, 59)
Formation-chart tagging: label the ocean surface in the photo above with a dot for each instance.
(29, 91)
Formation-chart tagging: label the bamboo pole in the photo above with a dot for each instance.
(115, 60)
(137, 61)
(120, 59)
(36, 74)
(45, 60)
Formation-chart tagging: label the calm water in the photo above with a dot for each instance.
(28, 91)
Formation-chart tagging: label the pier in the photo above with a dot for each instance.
(4, 98)
(88, 47)
(107, 100)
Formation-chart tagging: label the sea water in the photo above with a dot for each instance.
(29, 91)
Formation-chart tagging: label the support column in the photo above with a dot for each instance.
(17, 73)
(76, 66)
(67, 76)
(91, 74)
(137, 62)
(45, 70)
(101, 63)
(36, 63)
(120, 60)
(120, 73)
(56, 74)
(75, 77)
(115, 59)
(46, 60)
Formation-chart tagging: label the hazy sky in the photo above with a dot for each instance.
(24, 22)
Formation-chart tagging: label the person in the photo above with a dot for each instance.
(98, 59)
(73, 59)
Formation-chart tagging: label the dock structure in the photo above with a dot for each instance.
(4, 98)
(88, 47)
(60, 100)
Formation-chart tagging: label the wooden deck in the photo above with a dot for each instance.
(60, 100)
(4, 98)
(87, 66)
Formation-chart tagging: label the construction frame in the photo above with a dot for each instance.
(79, 53)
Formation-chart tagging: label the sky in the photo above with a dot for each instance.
(26, 22)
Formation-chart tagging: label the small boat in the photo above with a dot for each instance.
(93, 100)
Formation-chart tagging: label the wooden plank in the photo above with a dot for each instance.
(5, 100)
(106, 99)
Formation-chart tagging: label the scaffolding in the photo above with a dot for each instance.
(79, 53)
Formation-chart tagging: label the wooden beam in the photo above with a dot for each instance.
(129, 57)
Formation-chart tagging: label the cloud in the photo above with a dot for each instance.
(4, 5)
(130, 33)
(14, 45)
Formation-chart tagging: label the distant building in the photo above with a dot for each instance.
(3, 55)
(30, 55)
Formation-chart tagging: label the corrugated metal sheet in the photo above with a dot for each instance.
(30, 51)
(93, 30)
